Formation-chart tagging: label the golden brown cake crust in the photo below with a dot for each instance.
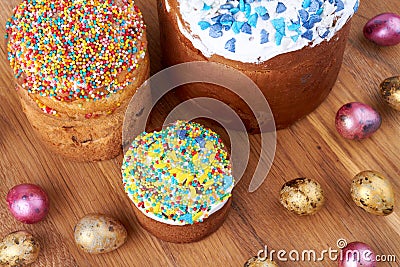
(294, 83)
(184, 233)
(80, 138)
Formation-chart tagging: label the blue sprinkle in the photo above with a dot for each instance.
(265, 16)
(264, 36)
(247, 10)
(216, 18)
(181, 134)
(339, 5)
(260, 10)
(234, 10)
(226, 27)
(246, 28)
(253, 20)
(228, 181)
(236, 26)
(186, 218)
(308, 35)
(226, 6)
(250, 1)
(294, 27)
(314, 6)
(311, 21)
(280, 7)
(319, 11)
(204, 24)
(356, 5)
(306, 3)
(230, 45)
(206, 7)
(303, 15)
(295, 37)
(325, 34)
(216, 30)
(200, 141)
(241, 5)
(279, 25)
(278, 38)
(226, 19)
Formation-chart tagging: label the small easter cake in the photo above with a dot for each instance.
(77, 65)
(179, 180)
(292, 49)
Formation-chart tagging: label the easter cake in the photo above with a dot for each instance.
(292, 49)
(77, 65)
(179, 180)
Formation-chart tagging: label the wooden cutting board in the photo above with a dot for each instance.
(311, 148)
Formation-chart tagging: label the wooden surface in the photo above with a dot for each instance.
(311, 148)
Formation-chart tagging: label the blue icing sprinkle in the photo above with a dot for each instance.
(280, 7)
(246, 28)
(186, 218)
(325, 34)
(260, 10)
(206, 7)
(241, 5)
(303, 15)
(226, 27)
(227, 182)
(295, 37)
(182, 134)
(311, 21)
(216, 30)
(253, 20)
(204, 24)
(314, 6)
(339, 5)
(278, 38)
(226, 6)
(306, 3)
(308, 35)
(279, 25)
(226, 19)
(230, 45)
(264, 37)
(319, 11)
(216, 18)
(356, 5)
(294, 27)
(236, 26)
(247, 10)
(265, 16)
(234, 10)
(200, 141)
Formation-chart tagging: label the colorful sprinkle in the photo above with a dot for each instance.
(183, 170)
(70, 50)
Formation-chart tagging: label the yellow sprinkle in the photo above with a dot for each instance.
(196, 216)
(203, 177)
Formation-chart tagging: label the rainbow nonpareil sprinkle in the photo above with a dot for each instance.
(179, 175)
(71, 50)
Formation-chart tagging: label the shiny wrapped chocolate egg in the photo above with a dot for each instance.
(357, 120)
(373, 192)
(302, 196)
(384, 29)
(390, 91)
(97, 233)
(18, 249)
(259, 262)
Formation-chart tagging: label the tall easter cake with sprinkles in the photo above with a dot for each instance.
(77, 65)
(292, 49)
(179, 180)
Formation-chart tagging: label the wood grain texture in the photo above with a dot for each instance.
(311, 148)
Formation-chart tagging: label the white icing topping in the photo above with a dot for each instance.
(254, 31)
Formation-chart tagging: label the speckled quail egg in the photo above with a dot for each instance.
(258, 262)
(302, 196)
(390, 91)
(373, 192)
(97, 233)
(18, 249)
